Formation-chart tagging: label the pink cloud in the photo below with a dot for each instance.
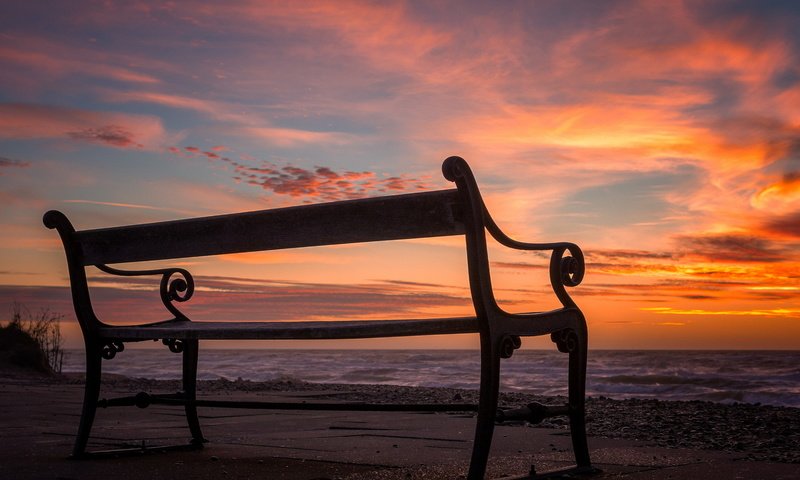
(321, 182)
(56, 59)
(131, 300)
(325, 183)
(245, 123)
(26, 121)
(9, 163)
(109, 134)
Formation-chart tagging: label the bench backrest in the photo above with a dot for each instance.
(458, 211)
(416, 215)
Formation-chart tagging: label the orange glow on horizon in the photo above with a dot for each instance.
(660, 137)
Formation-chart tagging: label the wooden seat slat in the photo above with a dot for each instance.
(339, 329)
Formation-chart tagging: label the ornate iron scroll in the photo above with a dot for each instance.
(508, 344)
(175, 345)
(111, 349)
(566, 340)
(178, 289)
(566, 271)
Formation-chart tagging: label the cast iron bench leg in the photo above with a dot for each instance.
(487, 410)
(90, 395)
(190, 351)
(577, 399)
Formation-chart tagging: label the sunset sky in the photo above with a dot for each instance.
(662, 137)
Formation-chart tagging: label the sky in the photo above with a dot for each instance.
(662, 137)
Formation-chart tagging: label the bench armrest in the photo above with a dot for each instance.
(564, 271)
(179, 289)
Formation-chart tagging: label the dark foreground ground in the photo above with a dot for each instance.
(628, 439)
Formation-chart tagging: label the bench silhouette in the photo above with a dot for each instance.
(458, 211)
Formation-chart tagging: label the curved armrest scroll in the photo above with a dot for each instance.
(564, 271)
(171, 289)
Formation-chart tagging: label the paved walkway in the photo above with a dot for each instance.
(38, 422)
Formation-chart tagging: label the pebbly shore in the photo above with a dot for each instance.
(759, 432)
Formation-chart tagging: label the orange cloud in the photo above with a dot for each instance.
(782, 226)
(780, 197)
(774, 312)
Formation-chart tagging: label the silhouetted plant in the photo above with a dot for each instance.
(44, 328)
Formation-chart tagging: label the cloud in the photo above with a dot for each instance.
(736, 248)
(247, 123)
(130, 206)
(621, 254)
(109, 134)
(520, 265)
(289, 137)
(320, 182)
(779, 197)
(772, 312)
(135, 300)
(56, 60)
(324, 183)
(787, 226)
(9, 163)
(26, 121)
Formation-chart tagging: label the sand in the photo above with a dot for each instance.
(628, 438)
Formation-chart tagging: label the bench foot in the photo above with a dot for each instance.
(533, 413)
(573, 472)
(137, 450)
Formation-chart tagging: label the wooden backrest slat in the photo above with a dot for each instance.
(415, 215)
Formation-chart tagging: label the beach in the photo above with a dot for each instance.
(632, 438)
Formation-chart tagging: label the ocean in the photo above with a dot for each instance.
(766, 377)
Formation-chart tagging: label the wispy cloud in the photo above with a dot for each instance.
(113, 135)
(245, 118)
(783, 226)
(28, 121)
(736, 248)
(774, 312)
(6, 163)
(134, 300)
(129, 205)
(55, 60)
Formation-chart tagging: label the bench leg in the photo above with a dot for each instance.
(190, 352)
(577, 399)
(487, 411)
(90, 395)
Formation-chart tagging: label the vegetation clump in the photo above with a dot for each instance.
(32, 340)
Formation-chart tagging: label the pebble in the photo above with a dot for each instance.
(759, 432)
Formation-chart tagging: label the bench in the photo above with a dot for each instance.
(457, 211)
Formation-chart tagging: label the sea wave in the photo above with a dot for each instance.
(767, 377)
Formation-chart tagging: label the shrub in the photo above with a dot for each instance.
(34, 339)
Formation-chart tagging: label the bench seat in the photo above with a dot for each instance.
(187, 329)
